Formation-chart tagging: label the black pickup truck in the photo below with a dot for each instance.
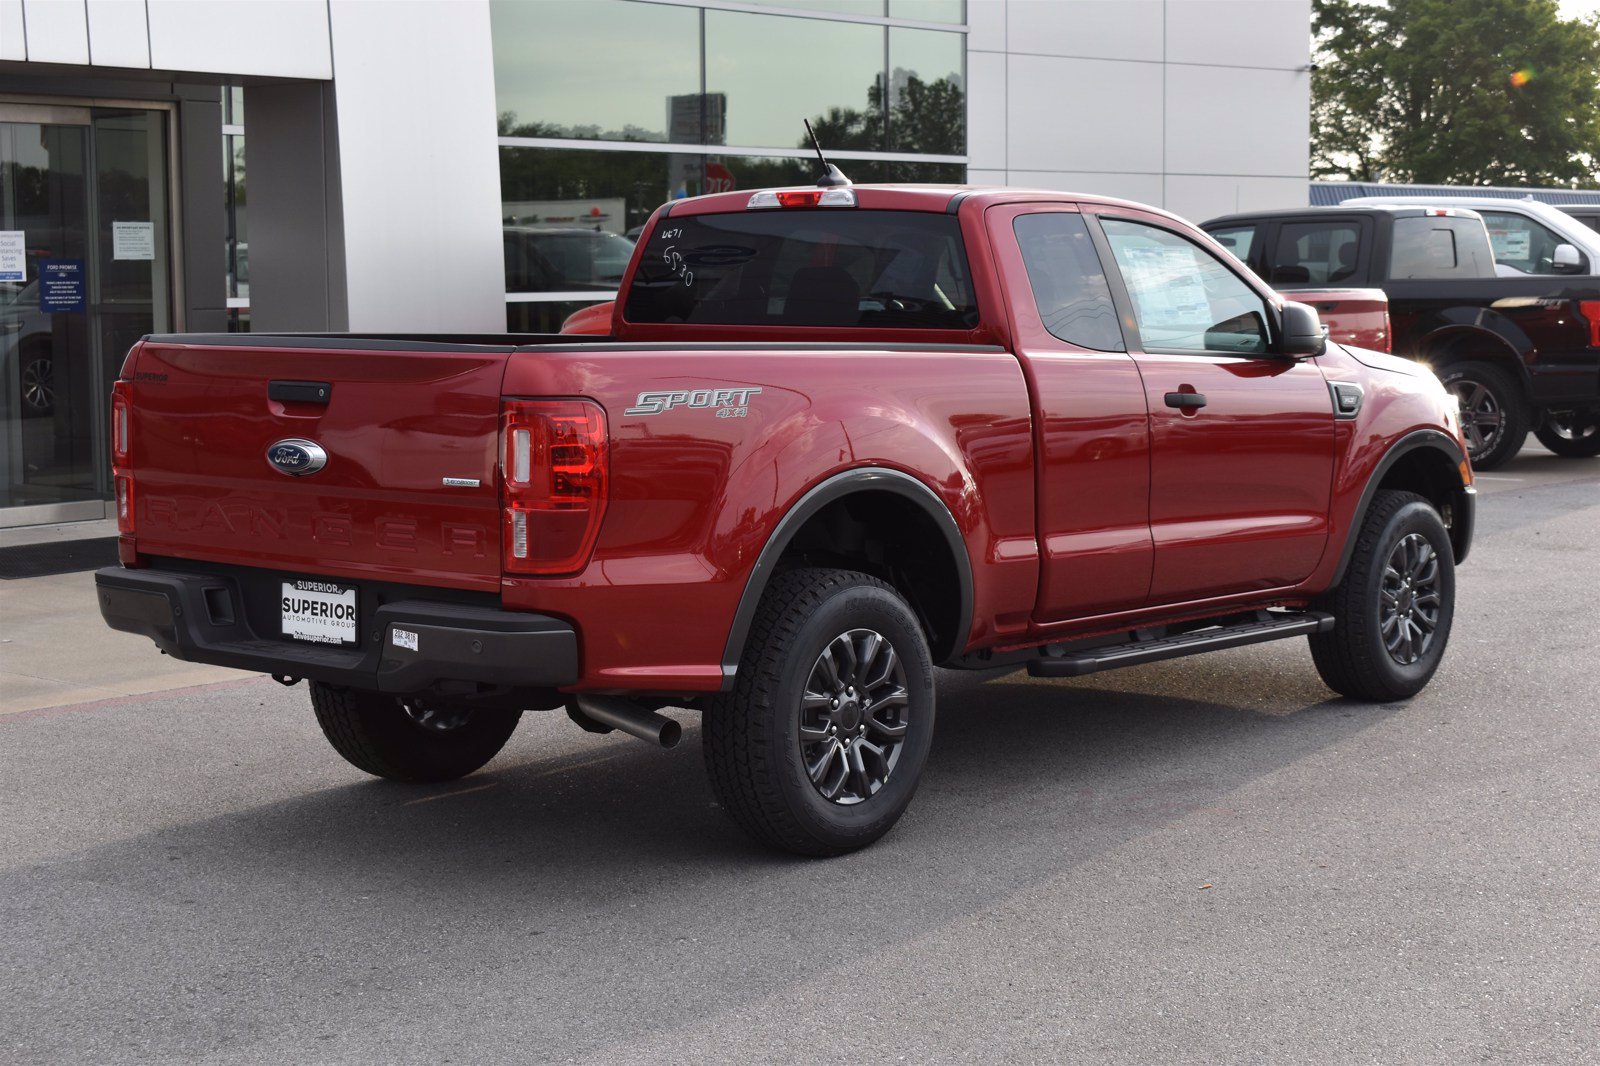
(1518, 352)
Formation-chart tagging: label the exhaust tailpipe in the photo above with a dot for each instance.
(602, 714)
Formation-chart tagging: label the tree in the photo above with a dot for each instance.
(1471, 92)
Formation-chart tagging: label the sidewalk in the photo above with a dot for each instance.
(55, 650)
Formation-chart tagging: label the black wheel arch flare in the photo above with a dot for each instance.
(1463, 495)
(843, 484)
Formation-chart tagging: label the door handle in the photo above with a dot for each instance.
(1186, 401)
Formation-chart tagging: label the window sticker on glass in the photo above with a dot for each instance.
(1510, 244)
(1166, 284)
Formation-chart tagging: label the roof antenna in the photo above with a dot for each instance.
(831, 175)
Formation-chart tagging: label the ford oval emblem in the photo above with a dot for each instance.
(297, 456)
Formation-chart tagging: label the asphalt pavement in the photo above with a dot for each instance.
(1209, 860)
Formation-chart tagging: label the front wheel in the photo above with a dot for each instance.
(1494, 417)
(408, 741)
(1573, 434)
(1392, 612)
(819, 747)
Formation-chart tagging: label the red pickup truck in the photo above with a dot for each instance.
(837, 436)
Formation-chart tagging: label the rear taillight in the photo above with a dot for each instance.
(1590, 309)
(121, 445)
(553, 483)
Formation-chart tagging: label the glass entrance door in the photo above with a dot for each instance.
(84, 272)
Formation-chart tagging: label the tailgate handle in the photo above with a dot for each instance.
(300, 391)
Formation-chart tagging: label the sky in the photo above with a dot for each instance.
(1578, 8)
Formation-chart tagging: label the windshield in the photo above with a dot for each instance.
(821, 267)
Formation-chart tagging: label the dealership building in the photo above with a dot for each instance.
(481, 165)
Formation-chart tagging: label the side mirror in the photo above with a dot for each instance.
(1566, 259)
(1303, 335)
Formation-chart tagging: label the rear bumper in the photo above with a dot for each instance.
(201, 617)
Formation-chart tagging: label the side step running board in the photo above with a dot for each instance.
(1135, 652)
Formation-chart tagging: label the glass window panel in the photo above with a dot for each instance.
(1520, 242)
(595, 69)
(773, 71)
(927, 92)
(1236, 239)
(951, 11)
(838, 267)
(756, 172)
(236, 233)
(1184, 299)
(1440, 247)
(1069, 285)
(1318, 253)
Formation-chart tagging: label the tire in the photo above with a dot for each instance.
(1371, 653)
(1571, 434)
(765, 740)
(377, 733)
(1494, 413)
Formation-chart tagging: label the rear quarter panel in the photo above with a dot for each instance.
(694, 497)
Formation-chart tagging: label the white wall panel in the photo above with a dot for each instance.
(118, 34)
(1247, 33)
(986, 109)
(13, 41)
(986, 177)
(986, 25)
(281, 38)
(1144, 188)
(1099, 29)
(1083, 114)
(1200, 198)
(58, 31)
(1229, 120)
(419, 165)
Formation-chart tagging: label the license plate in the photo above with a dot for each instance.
(319, 611)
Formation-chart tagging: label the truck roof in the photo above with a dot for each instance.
(1392, 210)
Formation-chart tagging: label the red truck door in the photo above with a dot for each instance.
(1242, 439)
(1091, 433)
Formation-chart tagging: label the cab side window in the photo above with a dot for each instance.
(1522, 243)
(1068, 282)
(1236, 239)
(1184, 298)
(1316, 253)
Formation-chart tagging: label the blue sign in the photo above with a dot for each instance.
(61, 285)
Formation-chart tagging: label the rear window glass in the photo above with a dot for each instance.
(817, 267)
(1316, 253)
(1440, 247)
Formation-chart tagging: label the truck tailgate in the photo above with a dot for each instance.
(409, 429)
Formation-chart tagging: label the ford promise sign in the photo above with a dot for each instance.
(297, 456)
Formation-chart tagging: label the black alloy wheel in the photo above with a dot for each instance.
(853, 716)
(1572, 434)
(1411, 600)
(1494, 417)
(1394, 606)
(38, 386)
(818, 748)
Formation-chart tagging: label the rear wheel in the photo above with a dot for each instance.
(1494, 417)
(407, 741)
(37, 382)
(819, 747)
(1574, 434)
(1394, 608)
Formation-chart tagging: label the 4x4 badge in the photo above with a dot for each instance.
(297, 456)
